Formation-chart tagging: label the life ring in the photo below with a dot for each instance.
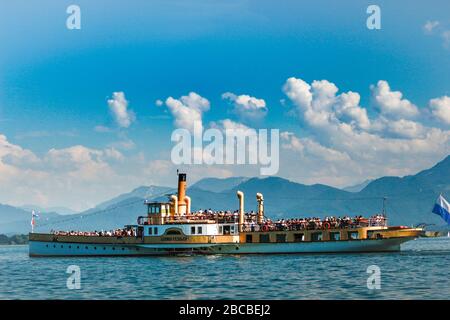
(265, 228)
(326, 225)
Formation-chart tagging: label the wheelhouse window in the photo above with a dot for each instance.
(199, 230)
(155, 208)
(150, 231)
(155, 230)
(316, 236)
(192, 230)
(335, 236)
(232, 229)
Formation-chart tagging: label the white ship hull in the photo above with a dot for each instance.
(41, 248)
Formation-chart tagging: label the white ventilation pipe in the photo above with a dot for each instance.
(260, 200)
(187, 200)
(240, 196)
(174, 200)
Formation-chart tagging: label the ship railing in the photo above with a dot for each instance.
(249, 227)
(202, 216)
(378, 221)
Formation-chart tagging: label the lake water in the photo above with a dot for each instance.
(419, 271)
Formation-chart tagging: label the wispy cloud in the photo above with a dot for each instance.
(44, 133)
(429, 26)
(438, 28)
(102, 129)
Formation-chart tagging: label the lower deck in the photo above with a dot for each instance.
(42, 249)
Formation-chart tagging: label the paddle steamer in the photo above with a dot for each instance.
(171, 228)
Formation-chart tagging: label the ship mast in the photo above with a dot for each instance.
(383, 212)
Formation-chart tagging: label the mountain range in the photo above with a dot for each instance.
(408, 201)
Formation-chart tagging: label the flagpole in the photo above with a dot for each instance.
(384, 206)
(32, 221)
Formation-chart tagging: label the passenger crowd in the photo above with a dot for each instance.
(312, 223)
(220, 216)
(112, 233)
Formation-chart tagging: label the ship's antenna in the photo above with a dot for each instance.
(384, 207)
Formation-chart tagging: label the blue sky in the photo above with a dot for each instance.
(55, 82)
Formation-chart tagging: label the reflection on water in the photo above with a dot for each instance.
(419, 271)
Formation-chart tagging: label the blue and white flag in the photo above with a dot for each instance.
(442, 208)
(33, 216)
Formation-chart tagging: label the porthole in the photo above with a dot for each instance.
(86, 248)
(95, 248)
(46, 245)
(114, 248)
(104, 248)
(123, 248)
(54, 246)
(70, 247)
(61, 246)
(78, 247)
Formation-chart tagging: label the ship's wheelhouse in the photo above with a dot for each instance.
(157, 213)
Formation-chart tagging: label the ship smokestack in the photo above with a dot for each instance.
(260, 199)
(240, 196)
(181, 193)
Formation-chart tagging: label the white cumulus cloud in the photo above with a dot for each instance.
(318, 105)
(118, 106)
(75, 176)
(348, 110)
(246, 107)
(391, 103)
(188, 110)
(440, 108)
(336, 126)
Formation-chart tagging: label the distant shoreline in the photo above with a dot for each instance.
(17, 239)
